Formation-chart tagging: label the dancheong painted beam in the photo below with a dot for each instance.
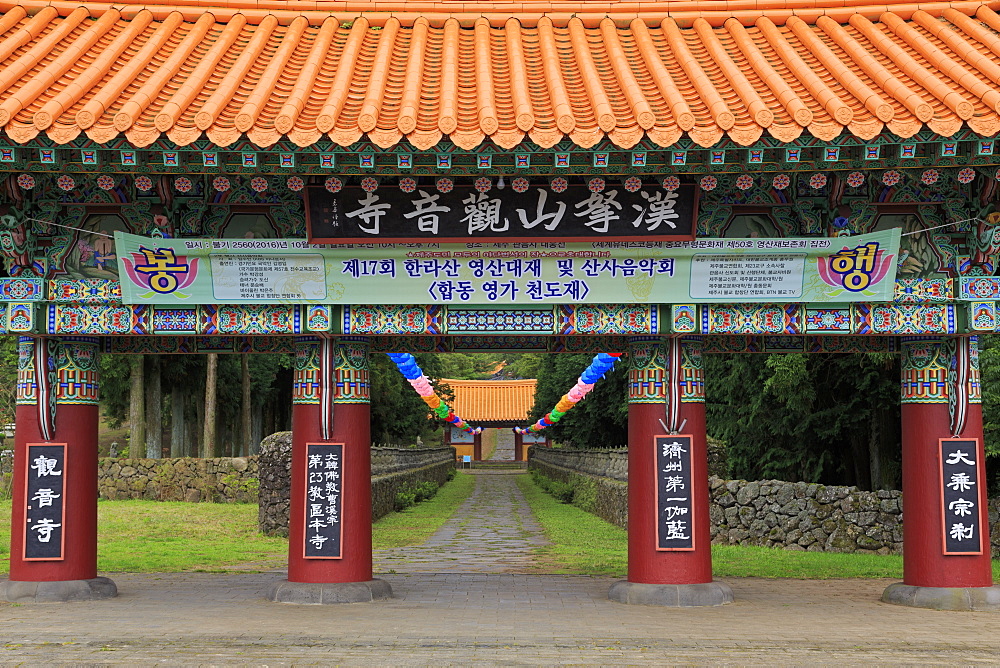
(790, 119)
(91, 307)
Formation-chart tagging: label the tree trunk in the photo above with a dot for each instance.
(178, 396)
(198, 428)
(874, 451)
(247, 415)
(884, 469)
(268, 427)
(256, 432)
(208, 441)
(136, 411)
(154, 409)
(858, 455)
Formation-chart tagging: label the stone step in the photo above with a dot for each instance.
(496, 464)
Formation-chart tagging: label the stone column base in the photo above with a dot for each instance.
(59, 591)
(327, 593)
(671, 595)
(980, 599)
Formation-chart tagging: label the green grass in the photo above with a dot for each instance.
(582, 543)
(416, 524)
(168, 537)
(585, 544)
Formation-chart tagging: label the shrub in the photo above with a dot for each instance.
(404, 499)
(412, 495)
(584, 493)
(562, 491)
(425, 490)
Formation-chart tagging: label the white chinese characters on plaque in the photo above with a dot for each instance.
(324, 501)
(45, 505)
(674, 493)
(961, 496)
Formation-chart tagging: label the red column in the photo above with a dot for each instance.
(648, 393)
(926, 417)
(348, 358)
(73, 380)
(477, 448)
(519, 453)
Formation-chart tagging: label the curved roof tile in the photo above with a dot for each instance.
(492, 400)
(423, 70)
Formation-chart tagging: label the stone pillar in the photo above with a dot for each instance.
(940, 398)
(667, 374)
(57, 412)
(330, 404)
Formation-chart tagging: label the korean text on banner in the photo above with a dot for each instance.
(719, 271)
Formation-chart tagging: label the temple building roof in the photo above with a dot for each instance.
(483, 401)
(421, 71)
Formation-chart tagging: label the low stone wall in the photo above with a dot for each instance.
(6, 473)
(771, 513)
(222, 479)
(805, 516)
(602, 495)
(393, 469)
(613, 463)
(385, 487)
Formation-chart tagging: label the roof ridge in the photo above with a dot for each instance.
(437, 12)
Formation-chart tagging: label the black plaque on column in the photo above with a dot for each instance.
(45, 502)
(324, 501)
(961, 494)
(674, 493)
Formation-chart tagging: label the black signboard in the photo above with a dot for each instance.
(674, 494)
(463, 215)
(324, 501)
(45, 502)
(961, 494)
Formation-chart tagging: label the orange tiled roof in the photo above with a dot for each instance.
(424, 70)
(478, 401)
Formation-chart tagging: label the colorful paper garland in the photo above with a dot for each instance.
(407, 365)
(601, 364)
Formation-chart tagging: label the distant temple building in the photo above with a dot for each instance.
(500, 404)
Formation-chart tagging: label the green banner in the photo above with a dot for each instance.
(250, 271)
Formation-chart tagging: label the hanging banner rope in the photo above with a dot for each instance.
(600, 365)
(407, 365)
(327, 373)
(674, 386)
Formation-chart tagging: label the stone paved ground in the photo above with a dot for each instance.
(462, 617)
(493, 531)
(505, 446)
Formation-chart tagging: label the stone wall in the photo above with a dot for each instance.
(603, 494)
(771, 513)
(805, 516)
(222, 479)
(393, 469)
(613, 463)
(6, 473)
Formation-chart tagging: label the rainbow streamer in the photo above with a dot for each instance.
(601, 364)
(407, 365)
